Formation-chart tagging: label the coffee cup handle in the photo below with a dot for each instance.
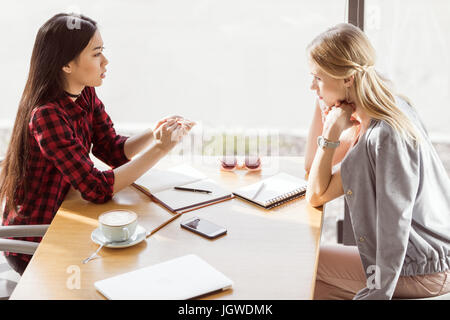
(126, 233)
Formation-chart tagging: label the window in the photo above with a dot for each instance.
(229, 62)
(412, 44)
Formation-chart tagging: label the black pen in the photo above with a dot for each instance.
(192, 190)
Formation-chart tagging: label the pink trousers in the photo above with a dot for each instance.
(340, 275)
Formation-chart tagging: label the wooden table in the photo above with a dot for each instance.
(269, 254)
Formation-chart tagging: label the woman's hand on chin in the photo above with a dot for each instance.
(338, 119)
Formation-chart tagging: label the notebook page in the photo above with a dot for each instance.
(179, 199)
(156, 180)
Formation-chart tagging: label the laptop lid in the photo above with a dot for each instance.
(177, 279)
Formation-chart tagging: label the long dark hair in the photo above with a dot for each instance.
(60, 40)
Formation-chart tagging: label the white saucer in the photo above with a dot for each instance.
(137, 237)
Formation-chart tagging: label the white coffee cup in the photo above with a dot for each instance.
(118, 224)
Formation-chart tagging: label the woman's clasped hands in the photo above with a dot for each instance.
(170, 130)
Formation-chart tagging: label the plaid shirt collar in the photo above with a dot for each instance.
(75, 109)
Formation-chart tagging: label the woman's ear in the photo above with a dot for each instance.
(67, 68)
(348, 82)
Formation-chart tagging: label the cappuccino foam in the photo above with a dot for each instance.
(117, 218)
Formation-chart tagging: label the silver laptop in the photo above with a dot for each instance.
(177, 279)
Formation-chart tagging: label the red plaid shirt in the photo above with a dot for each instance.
(61, 135)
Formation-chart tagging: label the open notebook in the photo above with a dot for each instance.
(159, 185)
(273, 191)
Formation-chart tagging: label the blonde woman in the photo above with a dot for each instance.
(373, 149)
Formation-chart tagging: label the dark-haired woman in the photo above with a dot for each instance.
(58, 121)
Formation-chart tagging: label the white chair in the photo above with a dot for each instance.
(17, 246)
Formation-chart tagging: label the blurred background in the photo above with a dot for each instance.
(234, 65)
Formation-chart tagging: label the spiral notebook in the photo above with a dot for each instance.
(273, 191)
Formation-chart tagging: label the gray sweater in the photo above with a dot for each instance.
(397, 206)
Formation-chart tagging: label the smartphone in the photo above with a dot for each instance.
(203, 227)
